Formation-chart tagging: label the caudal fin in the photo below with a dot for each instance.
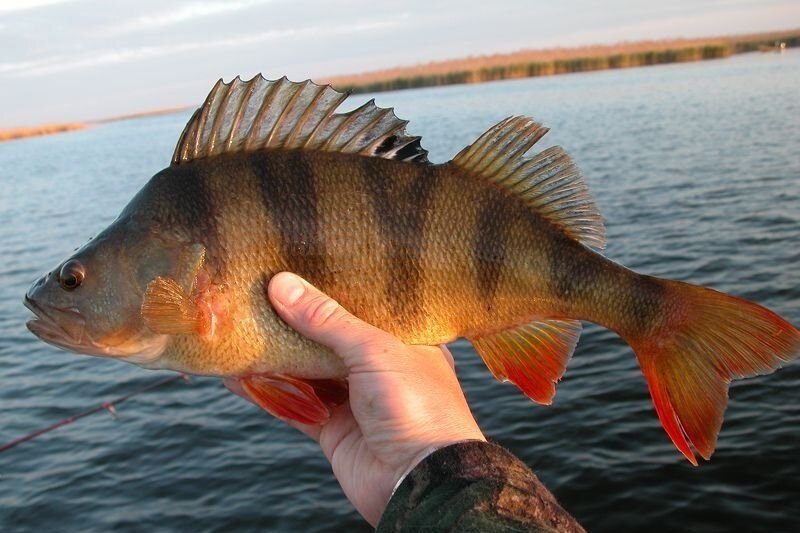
(707, 339)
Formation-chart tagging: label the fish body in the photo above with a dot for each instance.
(492, 246)
(399, 229)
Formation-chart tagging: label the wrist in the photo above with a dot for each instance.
(423, 454)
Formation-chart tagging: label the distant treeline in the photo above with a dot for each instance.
(561, 61)
(46, 129)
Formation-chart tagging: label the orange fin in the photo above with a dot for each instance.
(167, 309)
(331, 392)
(533, 356)
(708, 339)
(307, 401)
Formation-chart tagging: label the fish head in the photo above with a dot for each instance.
(91, 302)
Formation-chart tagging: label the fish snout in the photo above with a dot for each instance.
(29, 303)
(35, 288)
(53, 323)
(34, 294)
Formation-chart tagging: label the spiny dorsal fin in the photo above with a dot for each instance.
(549, 182)
(245, 116)
(532, 356)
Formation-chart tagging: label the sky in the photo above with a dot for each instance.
(73, 60)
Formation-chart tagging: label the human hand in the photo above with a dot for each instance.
(405, 401)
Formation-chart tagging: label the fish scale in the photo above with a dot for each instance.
(494, 246)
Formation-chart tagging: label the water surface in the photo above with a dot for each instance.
(696, 169)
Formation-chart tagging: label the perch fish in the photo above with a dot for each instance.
(495, 246)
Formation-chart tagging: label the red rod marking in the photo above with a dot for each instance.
(109, 406)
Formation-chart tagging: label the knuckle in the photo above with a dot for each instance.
(375, 351)
(321, 312)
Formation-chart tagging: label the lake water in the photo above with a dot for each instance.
(696, 168)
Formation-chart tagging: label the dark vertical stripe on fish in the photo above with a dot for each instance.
(400, 204)
(489, 246)
(187, 189)
(645, 302)
(571, 278)
(290, 198)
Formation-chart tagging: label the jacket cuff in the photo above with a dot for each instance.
(476, 486)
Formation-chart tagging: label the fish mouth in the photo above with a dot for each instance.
(64, 328)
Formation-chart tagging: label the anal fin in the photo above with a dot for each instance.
(307, 401)
(532, 356)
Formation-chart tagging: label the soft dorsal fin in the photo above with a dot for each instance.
(245, 116)
(549, 182)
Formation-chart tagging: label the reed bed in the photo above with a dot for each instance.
(530, 63)
(35, 131)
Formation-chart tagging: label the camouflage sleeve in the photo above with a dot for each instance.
(474, 486)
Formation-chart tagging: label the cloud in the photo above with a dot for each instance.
(182, 14)
(58, 63)
(9, 6)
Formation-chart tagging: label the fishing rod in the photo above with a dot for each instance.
(106, 406)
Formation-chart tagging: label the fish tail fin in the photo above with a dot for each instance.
(703, 340)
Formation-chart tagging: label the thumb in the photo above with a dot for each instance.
(320, 318)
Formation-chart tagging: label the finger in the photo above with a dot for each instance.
(320, 318)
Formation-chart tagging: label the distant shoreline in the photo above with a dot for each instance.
(143, 114)
(14, 134)
(533, 63)
(37, 131)
(515, 65)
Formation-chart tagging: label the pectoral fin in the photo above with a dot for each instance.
(307, 401)
(169, 310)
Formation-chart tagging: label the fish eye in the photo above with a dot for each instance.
(71, 275)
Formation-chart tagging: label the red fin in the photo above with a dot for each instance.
(286, 397)
(707, 339)
(533, 356)
(331, 392)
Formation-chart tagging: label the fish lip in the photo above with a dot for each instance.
(47, 328)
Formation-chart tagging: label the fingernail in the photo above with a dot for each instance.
(290, 290)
